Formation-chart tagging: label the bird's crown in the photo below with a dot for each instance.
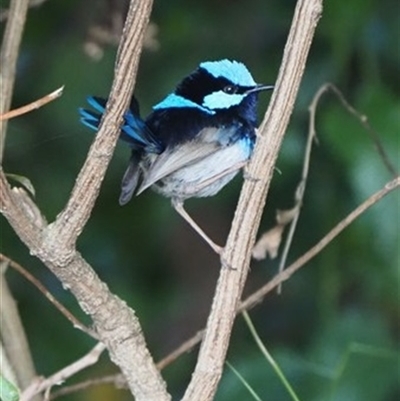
(233, 71)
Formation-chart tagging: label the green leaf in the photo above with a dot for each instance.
(269, 358)
(244, 382)
(8, 392)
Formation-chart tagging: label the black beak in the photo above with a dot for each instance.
(259, 88)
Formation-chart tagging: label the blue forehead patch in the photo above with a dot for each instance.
(235, 72)
(176, 101)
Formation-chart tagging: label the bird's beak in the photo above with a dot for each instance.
(259, 88)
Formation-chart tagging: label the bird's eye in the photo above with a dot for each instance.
(230, 89)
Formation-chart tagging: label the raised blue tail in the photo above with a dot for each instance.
(134, 130)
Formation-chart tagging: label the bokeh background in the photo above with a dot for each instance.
(335, 328)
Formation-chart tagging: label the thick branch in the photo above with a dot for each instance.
(116, 324)
(62, 234)
(241, 239)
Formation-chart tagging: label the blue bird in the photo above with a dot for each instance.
(194, 141)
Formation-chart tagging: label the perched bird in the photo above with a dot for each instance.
(195, 140)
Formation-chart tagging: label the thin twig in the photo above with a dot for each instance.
(43, 385)
(301, 187)
(32, 106)
(118, 380)
(363, 120)
(184, 347)
(61, 308)
(258, 295)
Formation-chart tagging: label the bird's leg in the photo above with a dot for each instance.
(178, 206)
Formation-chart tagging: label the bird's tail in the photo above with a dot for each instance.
(133, 130)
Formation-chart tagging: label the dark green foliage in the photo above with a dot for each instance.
(335, 328)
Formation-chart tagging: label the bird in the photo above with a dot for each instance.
(194, 141)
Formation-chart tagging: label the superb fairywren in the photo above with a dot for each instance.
(195, 140)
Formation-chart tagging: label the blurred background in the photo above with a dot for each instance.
(334, 330)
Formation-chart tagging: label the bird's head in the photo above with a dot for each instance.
(217, 86)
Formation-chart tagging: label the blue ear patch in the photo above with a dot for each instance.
(235, 72)
(176, 101)
(222, 100)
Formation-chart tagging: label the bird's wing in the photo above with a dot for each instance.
(130, 179)
(172, 159)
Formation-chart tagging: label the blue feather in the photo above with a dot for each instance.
(176, 101)
(89, 118)
(134, 130)
(98, 103)
(233, 71)
(222, 100)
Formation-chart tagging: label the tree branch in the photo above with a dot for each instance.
(61, 308)
(241, 239)
(301, 187)
(117, 380)
(63, 233)
(13, 336)
(11, 322)
(54, 244)
(115, 323)
(33, 105)
(8, 60)
(363, 120)
(41, 385)
(5, 12)
(257, 296)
